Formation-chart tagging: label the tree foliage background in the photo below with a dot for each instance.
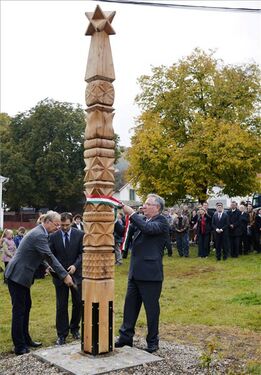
(42, 154)
(199, 128)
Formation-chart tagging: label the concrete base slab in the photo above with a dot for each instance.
(70, 358)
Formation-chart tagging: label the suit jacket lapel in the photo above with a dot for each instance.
(138, 232)
(60, 240)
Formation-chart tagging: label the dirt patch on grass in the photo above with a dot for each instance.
(196, 271)
(228, 342)
(238, 347)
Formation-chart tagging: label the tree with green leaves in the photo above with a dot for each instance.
(42, 154)
(199, 128)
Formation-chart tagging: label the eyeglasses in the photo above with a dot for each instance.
(57, 225)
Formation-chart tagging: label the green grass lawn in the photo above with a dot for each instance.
(196, 292)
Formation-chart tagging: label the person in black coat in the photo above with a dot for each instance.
(66, 245)
(234, 229)
(77, 222)
(118, 238)
(257, 230)
(220, 226)
(150, 234)
(204, 227)
(243, 223)
(210, 214)
(193, 225)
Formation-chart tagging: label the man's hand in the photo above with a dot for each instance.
(127, 210)
(68, 280)
(71, 269)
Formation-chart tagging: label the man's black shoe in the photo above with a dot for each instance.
(152, 349)
(76, 335)
(22, 351)
(120, 344)
(34, 344)
(60, 340)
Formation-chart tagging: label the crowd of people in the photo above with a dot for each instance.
(229, 232)
(232, 232)
(55, 247)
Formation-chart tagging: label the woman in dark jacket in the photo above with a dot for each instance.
(193, 225)
(257, 230)
(243, 223)
(203, 232)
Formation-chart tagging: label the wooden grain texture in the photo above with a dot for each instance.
(99, 125)
(98, 219)
(102, 292)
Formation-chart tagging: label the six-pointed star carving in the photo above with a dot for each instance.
(100, 21)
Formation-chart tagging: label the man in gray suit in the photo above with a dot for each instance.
(150, 234)
(32, 251)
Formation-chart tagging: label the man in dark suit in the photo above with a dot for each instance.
(243, 223)
(32, 251)
(66, 245)
(150, 233)
(234, 229)
(220, 227)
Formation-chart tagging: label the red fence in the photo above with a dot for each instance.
(16, 224)
(13, 220)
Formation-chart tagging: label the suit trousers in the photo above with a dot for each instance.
(221, 242)
(203, 245)
(21, 305)
(147, 292)
(118, 255)
(243, 244)
(234, 246)
(62, 316)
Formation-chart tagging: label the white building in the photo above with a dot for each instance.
(216, 195)
(128, 195)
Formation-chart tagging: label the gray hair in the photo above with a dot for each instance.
(159, 200)
(52, 216)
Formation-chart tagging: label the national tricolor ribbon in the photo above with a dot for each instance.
(104, 199)
(115, 203)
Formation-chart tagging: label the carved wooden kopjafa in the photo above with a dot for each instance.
(98, 219)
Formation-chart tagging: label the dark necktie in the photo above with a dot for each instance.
(66, 240)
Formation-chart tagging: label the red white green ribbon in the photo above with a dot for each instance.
(104, 199)
(115, 203)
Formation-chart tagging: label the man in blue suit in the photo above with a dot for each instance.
(66, 245)
(150, 234)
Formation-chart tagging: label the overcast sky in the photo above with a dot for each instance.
(44, 50)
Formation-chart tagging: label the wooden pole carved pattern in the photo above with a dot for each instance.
(98, 219)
